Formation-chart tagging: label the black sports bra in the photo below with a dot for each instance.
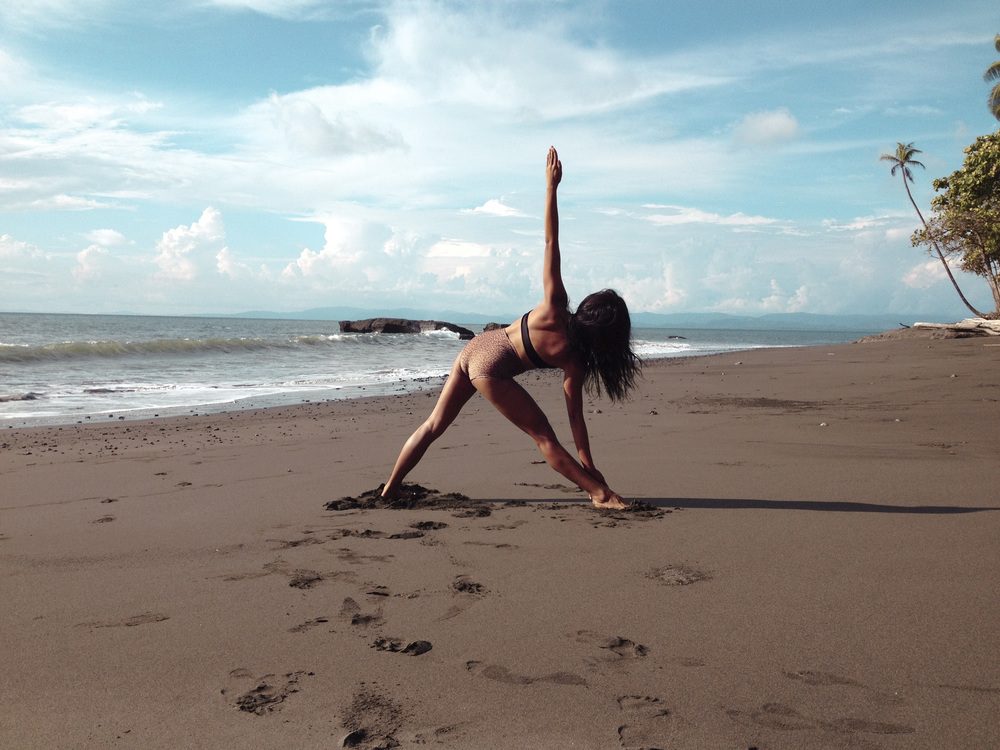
(529, 348)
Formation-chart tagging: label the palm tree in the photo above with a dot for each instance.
(902, 160)
(993, 74)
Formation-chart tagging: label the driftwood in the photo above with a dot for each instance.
(969, 326)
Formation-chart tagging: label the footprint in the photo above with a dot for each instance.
(781, 717)
(617, 647)
(308, 625)
(293, 543)
(687, 661)
(351, 610)
(350, 556)
(104, 519)
(454, 611)
(785, 718)
(407, 535)
(826, 679)
(366, 534)
(820, 678)
(269, 692)
(129, 622)
(851, 725)
(304, 579)
(394, 645)
(429, 526)
(678, 575)
(499, 673)
(647, 723)
(371, 720)
(463, 585)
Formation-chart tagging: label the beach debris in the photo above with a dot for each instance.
(969, 326)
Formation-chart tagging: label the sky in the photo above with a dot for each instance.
(220, 156)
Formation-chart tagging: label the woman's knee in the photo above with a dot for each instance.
(542, 433)
(434, 428)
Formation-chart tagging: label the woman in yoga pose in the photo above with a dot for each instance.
(592, 346)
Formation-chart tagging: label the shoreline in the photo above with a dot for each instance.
(101, 396)
(822, 570)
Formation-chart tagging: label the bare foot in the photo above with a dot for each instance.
(390, 495)
(609, 499)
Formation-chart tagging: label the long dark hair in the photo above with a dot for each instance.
(600, 333)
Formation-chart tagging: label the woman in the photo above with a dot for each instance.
(592, 347)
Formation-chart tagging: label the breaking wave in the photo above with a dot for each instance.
(70, 350)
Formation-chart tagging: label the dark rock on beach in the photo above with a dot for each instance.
(402, 325)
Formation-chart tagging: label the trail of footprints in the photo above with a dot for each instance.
(371, 719)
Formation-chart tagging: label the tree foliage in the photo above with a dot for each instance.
(965, 221)
(901, 161)
(993, 74)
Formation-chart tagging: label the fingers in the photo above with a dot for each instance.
(553, 167)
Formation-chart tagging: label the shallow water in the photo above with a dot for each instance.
(61, 369)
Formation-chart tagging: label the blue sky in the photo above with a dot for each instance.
(217, 156)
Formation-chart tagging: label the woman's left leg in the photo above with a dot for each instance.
(515, 403)
(456, 393)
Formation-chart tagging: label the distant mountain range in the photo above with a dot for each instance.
(773, 321)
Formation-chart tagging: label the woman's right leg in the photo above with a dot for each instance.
(456, 393)
(515, 403)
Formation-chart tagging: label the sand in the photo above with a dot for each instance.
(815, 565)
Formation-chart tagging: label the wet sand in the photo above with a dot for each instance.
(814, 564)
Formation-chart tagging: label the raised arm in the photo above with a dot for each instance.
(555, 291)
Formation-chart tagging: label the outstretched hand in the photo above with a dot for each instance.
(553, 168)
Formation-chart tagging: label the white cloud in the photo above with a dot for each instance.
(106, 237)
(898, 234)
(13, 71)
(495, 207)
(307, 128)
(924, 275)
(356, 252)
(764, 128)
(29, 14)
(90, 263)
(482, 58)
(277, 8)
(227, 264)
(686, 215)
(184, 251)
(778, 301)
(451, 248)
(11, 248)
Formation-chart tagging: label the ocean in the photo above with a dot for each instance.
(68, 369)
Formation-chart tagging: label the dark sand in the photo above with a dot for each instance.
(820, 569)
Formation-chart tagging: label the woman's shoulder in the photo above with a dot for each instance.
(548, 317)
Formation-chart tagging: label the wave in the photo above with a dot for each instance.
(70, 350)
